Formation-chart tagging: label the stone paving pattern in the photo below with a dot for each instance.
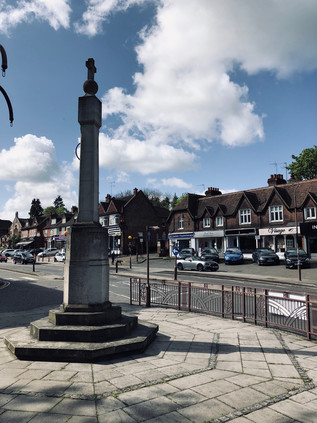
(199, 368)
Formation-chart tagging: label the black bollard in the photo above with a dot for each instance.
(117, 264)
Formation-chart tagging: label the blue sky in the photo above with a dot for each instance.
(195, 94)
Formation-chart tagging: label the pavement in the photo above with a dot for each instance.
(199, 368)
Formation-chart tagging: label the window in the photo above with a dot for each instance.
(244, 216)
(206, 222)
(53, 222)
(113, 219)
(219, 221)
(276, 213)
(180, 223)
(310, 213)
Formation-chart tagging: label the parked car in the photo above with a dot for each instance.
(23, 258)
(291, 258)
(60, 256)
(49, 252)
(233, 255)
(35, 251)
(8, 252)
(264, 256)
(3, 258)
(211, 253)
(197, 263)
(186, 252)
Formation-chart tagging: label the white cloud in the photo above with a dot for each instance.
(31, 159)
(55, 12)
(132, 155)
(98, 11)
(175, 182)
(31, 163)
(185, 93)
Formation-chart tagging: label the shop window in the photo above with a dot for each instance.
(310, 213)
(276, 214)
(219, 221)
(244, 216)
(180, 223)
(206, 222)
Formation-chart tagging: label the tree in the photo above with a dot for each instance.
(36, 209)
(58, 202)
(304, 166)
(49, 210)
(174, 201)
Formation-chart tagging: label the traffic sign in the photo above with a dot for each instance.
(175, 251)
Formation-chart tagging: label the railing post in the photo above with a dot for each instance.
(254, 305)
(189, 296)
(232, 302)
(243, 304)
(266, 305)
(222, 301)
(130, 291)
(139, 291)
(179, 295)
(307, 317)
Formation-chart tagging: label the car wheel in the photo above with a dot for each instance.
(200, 267)
(180, 266)
(14, 262)
(55, 259)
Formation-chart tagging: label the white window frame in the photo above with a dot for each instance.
(114, 220)
(310, 213)
(180, 223)
(276, 214)
(53, 222)
(219, 221)
(245, 216)
(206, 222)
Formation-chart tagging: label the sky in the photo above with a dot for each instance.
(195, 94)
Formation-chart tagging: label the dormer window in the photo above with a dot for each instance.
(206, 222)
(310, 213)
(114, 219)
(180, 223)
(53, 222)
(276, 214)
(219, 221)
(245, 216)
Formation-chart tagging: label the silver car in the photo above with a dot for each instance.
(197, 263)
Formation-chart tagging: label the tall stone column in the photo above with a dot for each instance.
(86, 275)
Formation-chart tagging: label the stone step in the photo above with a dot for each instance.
(26, 347)
(44, 330)
(58, 317)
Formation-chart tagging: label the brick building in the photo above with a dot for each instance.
(262, 217)
(126, 219)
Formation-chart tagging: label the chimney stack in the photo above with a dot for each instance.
(108, 198)
(276, 179)
(211, 192)
(135, 191)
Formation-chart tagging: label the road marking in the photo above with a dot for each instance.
(28, 279)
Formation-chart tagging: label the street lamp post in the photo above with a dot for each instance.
(129, 238)
(296, 229)
(147, 240)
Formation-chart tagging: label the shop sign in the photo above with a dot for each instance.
(209, 234)
(187, 235)
(279, 231)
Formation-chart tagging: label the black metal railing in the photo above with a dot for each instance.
(287, 310)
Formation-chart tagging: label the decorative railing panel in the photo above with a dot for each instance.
(286, 310)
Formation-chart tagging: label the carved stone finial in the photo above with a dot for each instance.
(91, 86)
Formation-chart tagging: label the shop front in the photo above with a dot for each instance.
(209, 239)
(245, 239)
(280, 239)
(181, 240)
(114, 240)
(309, 231)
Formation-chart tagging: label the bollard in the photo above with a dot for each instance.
(34, 266)
(117, 264)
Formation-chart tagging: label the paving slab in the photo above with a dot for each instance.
(199, 368)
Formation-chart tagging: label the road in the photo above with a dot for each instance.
(23, 289)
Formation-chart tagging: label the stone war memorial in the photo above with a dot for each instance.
(86, 327)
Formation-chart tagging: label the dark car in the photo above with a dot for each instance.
(233, 255)
(211, 253)
(264, 256)
(291, 258)
(197, 263)
(3, 258)
(23, 258)
(35, 251)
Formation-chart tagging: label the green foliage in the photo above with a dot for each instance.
(304, 166)
(13, 240)
(58, 202)
(179, 199)
(58, 207)
(36, 209)
(49, 210)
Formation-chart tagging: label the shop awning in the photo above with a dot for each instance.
(24, 242)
